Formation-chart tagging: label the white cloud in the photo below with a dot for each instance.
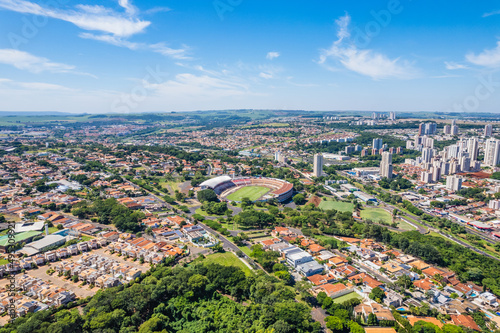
(30, 86)
(114, 28)
(96, 18)
(450, 65)
(272, 55)
(365, 62)
(129, 8)
(343, 28)
(496, 12)
(160, 48)
(26, 61)
(265, 75)
(43, 86)
(155, 10)
(170, 52)
(487, 58)
(110, 39)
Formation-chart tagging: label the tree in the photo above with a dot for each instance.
(335, 324)
(377, 293)
(207, 195)
(299, 199)
(372, 319)
(404, 281)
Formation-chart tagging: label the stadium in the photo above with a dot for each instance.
(254, 188)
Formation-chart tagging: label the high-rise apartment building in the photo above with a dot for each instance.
(488, 130)
(377, 143)
(492, 152)
(386, 165)
(318, 165)
(453, 183)
(473, 148)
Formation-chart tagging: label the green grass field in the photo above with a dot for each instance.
(337, 205)
(251, 192)
(227, 259)
(376, 214)
(347, 297)
(405, 226)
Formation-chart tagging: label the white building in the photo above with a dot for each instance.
(492, 152)
(318, 165)
(494, 204)
(377, 143)
(473, 148)
(488, 130)
(453, 183)
(386, 165)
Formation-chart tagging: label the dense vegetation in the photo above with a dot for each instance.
(202, 298)
(110, 211)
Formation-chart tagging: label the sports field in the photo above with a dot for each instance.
(251, 192)
(337, 205)
(348, 297)
(376, 215)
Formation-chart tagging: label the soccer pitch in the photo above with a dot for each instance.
(251, 192)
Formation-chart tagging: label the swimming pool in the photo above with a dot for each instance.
(401, 309)
(64, 232)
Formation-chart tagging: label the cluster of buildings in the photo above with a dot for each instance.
(375, 266)
(100, 271)
(36, 295)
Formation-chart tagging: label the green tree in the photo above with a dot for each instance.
(206, 195)
(377, 293)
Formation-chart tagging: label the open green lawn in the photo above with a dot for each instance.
(227, 259)
(337, 205)
(405, 226)
(202, 212)
(171, 186)
(251, 192)
(3, 262)
(347, 297)
(246, 250)
(376, 214)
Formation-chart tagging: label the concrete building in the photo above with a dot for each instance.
(494, 204)
(492, 152)
(386, 165)
(473, 148)
(427, 155)
(453, 183)
(488, 130)
(318, 165)
(377, 143)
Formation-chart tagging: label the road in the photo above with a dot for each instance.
(456, 240)
(420, 229)
(371, 271)
(226, 243)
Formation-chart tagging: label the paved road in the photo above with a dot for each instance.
(319, 315)
(228, 245)
(371, 271)
(454, 239)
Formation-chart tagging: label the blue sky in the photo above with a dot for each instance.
(124, 56)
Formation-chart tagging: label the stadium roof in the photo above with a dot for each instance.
(215, 181)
